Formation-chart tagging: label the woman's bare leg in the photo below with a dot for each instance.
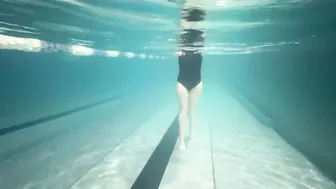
(183, 114)
(194, 95)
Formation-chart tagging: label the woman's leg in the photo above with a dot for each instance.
(194, 95)
(183, 97)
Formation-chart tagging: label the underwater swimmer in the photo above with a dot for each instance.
(189, 81)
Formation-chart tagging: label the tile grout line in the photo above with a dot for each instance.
(212, 158)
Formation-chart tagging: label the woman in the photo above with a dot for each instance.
(189, 88)
(189, 82)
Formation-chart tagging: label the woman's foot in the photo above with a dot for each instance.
(182, 147)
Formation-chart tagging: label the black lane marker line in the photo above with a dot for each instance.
(151, 175)
(212, 158)
(28, 124)
(103, 157)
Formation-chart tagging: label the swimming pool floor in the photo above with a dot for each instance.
(108, 146)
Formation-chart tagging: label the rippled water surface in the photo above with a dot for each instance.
(232, 26)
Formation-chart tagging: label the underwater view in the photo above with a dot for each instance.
(167, 94)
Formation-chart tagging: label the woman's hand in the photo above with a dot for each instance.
(178, 53)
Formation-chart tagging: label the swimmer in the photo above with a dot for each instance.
(189, 81)
(189, 88)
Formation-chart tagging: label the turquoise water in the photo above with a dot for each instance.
(80, 76)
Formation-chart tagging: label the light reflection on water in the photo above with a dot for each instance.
(256, 25)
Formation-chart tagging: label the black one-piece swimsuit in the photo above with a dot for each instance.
(190, 70)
